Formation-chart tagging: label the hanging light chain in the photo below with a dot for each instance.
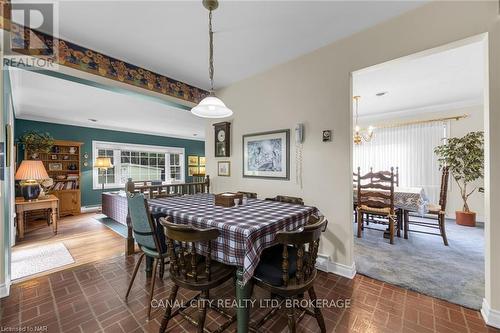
(211, 52)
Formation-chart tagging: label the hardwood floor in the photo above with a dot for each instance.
(85, 238)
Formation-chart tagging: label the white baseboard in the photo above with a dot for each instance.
(90, 209)
(4, 290)
(324, 263)
(490, 316)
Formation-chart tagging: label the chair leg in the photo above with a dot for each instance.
(398, 220)
(406, 218)
(168, 309)
(317, 311)
(202, 311)
(360, 221)
(136, 268)
(153, 280)
(162, 268)
(291, 319)
(391, 229)
(442, 228)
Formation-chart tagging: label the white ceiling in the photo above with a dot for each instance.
(448, 79)
(171, 37)
(45, 98)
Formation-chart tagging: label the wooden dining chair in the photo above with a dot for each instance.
(287, 199)
(145, 234)
(437, 213)
(250, 195)
(194, 271)
(376, 197)
(288, 270)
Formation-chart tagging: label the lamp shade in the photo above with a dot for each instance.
(211, 107)
(31, 170)
(103, 163)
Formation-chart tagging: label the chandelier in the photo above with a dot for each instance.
(211, 106)
(359, 135)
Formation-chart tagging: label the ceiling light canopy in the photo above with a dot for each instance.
(211, 106)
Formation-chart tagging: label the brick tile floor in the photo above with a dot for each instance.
(90, 298)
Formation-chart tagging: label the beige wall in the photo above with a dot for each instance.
(474, 122)
(316, 89)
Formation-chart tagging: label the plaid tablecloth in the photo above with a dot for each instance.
(412, 199)
(245, 231)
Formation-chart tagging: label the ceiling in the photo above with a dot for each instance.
(45, 98)
(449, 79)
(171, 37)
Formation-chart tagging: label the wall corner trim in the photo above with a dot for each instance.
(4, 290)
(490, 316)
(323, 263)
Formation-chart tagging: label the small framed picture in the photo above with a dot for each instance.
(224, 168)
(193, 170)
(202, 170)
(192, 160)
(53, 157)
(327, 135)
(202, 160)
(55, 166)
(65, 157)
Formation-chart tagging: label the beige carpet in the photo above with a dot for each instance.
(36, 259)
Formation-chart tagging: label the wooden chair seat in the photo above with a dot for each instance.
(434, 209)
(375, 210)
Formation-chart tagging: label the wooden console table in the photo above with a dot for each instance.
(48, 202)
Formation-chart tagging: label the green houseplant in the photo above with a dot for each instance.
(465, 159)
(35, 143)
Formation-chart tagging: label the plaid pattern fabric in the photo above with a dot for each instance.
(245, 231)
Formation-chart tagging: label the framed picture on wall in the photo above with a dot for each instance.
(267, 155)
(202, 160)
(192, 160)
(193, 170)
(201, 170)
(224, 168)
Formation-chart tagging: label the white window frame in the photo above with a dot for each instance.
(117, 147)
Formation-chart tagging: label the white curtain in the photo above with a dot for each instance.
(411, 148)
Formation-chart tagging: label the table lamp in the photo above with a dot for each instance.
(103, 164)
(29, 173)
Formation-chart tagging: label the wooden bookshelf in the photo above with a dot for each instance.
(64, 167)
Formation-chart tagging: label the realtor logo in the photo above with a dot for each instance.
(30, 42)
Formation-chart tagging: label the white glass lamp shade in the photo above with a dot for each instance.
(103, 163)
(211, 107)
(31, 170)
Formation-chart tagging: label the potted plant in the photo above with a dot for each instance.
(35, 143)
(465, 159)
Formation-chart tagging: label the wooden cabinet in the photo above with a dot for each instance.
(63, 165)
(69, 202)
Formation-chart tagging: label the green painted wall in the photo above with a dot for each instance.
(87, 135)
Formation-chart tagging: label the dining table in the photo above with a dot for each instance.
(408, 199)
(245, 231)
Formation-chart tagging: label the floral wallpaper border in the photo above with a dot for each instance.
(87, 60)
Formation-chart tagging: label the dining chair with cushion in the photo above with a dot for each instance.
(194, 269)
(146, 236)
(288, 270)
(437, 213)
(250, 195)
(287, 199)
(376, 197)
(399, 212)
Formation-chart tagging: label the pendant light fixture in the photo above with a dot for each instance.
(358, 135)
(211, 106)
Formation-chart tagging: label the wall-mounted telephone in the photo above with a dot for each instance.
(299, 139)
